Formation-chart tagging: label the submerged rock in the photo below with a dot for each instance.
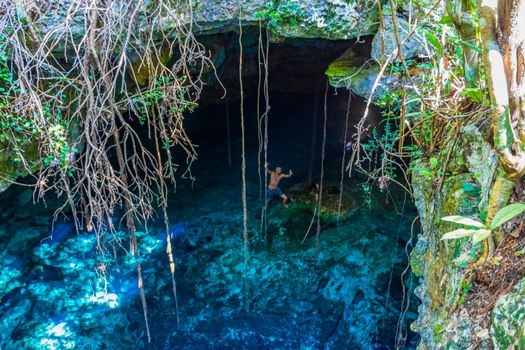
(68, 296)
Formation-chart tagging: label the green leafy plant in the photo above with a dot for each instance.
(460, 292)
(475, 94)
(367, 190)
(465, 287)
(277, 13)
(478, 231)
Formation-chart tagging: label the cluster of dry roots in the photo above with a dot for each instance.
(86, 70)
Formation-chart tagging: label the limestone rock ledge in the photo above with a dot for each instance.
(359, 71)
(324, 19)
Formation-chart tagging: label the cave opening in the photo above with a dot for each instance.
(297, 88)
(355, 294)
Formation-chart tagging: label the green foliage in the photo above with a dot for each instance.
(367, 190)
(45, 126)
(505, 214)
(476, 95)
(377, 144)
(278, 14)
(438, 96)
(159, 95)
(465, 287)
(432, 89)
(20, 129)
(460, 292)
(463, 221)
(466, 258)
(478, 231)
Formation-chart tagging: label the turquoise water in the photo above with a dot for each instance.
(60, 293)
(53, 298)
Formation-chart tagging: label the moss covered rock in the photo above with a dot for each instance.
(11, 165)
(443, 322)
(326, 19)
(303, 202)
(348, 72)
(508, 319)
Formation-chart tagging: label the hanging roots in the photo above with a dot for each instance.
(71, 77)
(77, 105)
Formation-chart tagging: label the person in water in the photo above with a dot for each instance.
(273, 190)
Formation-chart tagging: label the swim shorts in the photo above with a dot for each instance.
(275, 193)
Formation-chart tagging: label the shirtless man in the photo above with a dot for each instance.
(273, 190)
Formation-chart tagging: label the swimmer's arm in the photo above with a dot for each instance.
(286, 175)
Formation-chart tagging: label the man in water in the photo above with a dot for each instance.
(273, 190)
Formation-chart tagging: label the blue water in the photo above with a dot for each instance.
(59, 292)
